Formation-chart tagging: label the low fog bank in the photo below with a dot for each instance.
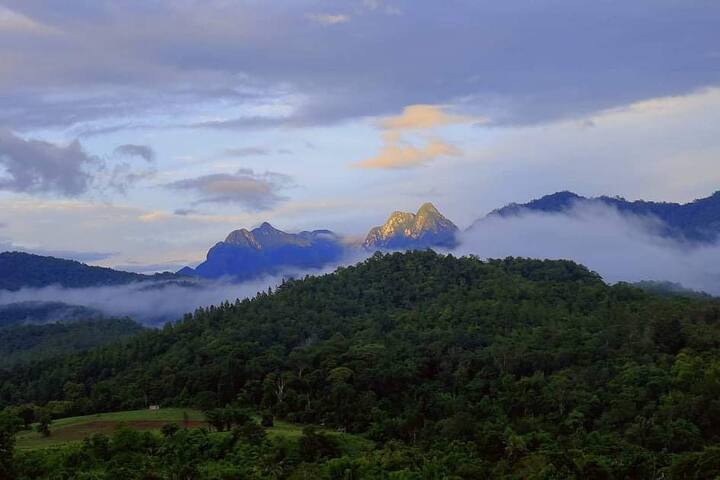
(154, 303)
(619, 247)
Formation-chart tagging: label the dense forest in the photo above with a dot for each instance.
(26, 343)
(453, 367)
(37, 313)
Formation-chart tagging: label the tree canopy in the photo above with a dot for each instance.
(509, 368)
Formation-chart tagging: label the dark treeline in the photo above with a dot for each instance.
(25, 343)
(455, 368)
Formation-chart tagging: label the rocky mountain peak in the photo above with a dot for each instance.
(428, 208)
(428, 227)
(267, 250)
(242, 238)
(264, 236)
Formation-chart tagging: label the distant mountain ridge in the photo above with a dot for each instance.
(25, 270)
(266, 250)
(246, 253)
(403, 230)
(698, 220)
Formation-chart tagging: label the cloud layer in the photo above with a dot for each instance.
(154, 303)
(618, 247)
(519, 62)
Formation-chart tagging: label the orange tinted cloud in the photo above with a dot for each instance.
(397, 153)
(422, 117)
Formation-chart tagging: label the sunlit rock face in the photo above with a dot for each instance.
(404, 230)
(265, 250)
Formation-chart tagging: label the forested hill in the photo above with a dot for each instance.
(18, 270)
(527, 365)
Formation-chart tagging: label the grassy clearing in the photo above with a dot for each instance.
(75, 429)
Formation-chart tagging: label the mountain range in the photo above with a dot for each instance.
(266, 250)
(697, 221)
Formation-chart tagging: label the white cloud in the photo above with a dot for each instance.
(619, 247)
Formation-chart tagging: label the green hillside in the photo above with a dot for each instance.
(456, 368)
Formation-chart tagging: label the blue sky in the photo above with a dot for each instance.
(138, 133)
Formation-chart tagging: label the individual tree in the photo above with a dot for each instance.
(44, 422)
(27, 414)
(9, 426)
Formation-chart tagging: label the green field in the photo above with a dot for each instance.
(71, 429)
(75, 429)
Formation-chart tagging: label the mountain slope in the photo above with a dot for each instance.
(521, 363)
(18, 270)
(266, 250)
(697, 221)
(404, 230)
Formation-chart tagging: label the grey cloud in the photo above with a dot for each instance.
(123, 176)
(143, 151)
(184, 211)
(253, 191)
(514, 61)
(34, 166)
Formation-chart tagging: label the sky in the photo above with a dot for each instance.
(137, 133)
